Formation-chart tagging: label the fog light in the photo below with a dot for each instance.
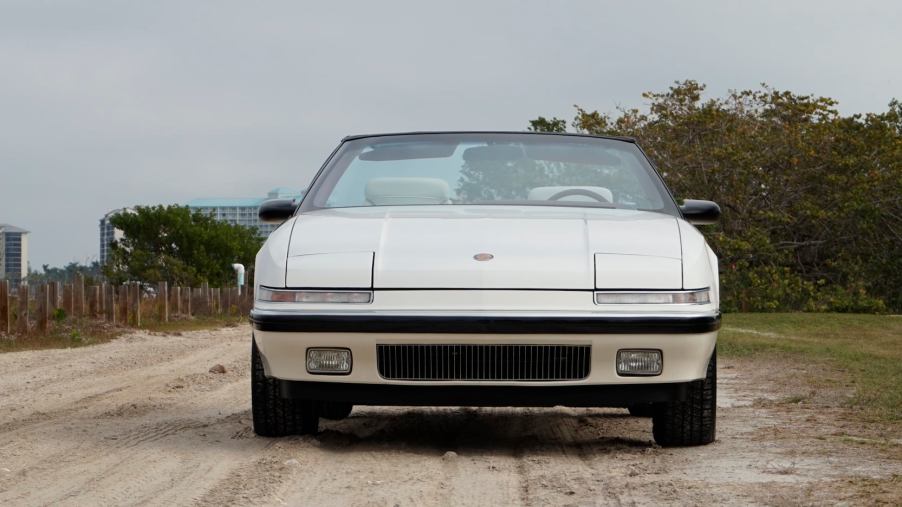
(325, 361)
(634, 363)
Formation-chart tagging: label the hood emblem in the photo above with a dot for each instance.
(483, 257)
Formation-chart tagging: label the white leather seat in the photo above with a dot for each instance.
(399, 191)
(543, 193)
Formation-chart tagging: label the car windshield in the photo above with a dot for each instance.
(489, 168)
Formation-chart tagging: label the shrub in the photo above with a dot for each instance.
(811, 199)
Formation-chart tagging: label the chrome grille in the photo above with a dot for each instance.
(483, 362)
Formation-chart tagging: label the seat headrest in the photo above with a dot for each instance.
(543, 193)
(398, 191)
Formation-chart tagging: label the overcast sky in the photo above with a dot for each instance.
(109, 104)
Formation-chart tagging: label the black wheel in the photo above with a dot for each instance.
(275, 416)
(642, 410)
(690, 422)
(335, 410)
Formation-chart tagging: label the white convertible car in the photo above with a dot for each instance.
(487, 269)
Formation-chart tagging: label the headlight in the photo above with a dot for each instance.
(314, 296)
(685, 297)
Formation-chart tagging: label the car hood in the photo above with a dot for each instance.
(528, 247)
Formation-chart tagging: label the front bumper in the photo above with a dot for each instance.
(686, 340)
(496, 323)
(486, 395)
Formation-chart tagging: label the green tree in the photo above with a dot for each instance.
(542, 124)
(174, 244)
(812, 199)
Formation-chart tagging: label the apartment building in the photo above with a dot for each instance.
(243, 211)
(13, 254)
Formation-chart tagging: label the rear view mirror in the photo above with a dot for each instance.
(700, 212)
(409, 151)
(276, 210)
(493, 153)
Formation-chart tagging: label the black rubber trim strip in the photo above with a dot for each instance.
(318, 323)
(589, 292)
(512, 132)
(485, 396)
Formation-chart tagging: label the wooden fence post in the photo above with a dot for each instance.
(129, 304)
(79, 295)
(135, 303)
(204, 300)
(248, 294)
(109, 297)
(5, 316)
(101, 301)
(43, 307)
(68, 303)
(123, 304)
(245, 305)
(22, 316)
(92, 302)
(189, 296)
(176, 297)
(163, 301)
(53, 296)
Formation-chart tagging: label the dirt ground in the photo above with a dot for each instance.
(141, 420)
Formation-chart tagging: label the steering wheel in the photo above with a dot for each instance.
(579, 191)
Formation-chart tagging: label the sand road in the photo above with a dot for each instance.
(141, 420)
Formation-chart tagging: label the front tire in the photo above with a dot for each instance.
(689, 422)
(273, 415)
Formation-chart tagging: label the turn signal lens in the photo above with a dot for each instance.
(687, 297)
(313, 296)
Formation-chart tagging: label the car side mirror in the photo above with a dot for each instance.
(277, 210)
(700, 212)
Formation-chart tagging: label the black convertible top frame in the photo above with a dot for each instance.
(528, 132)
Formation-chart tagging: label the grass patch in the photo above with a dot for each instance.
(67, 333)
(866, 348)
(796, 398)
(194, 324)
(867, 491)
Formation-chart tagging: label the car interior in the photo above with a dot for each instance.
(406, 191)
(415, 190)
